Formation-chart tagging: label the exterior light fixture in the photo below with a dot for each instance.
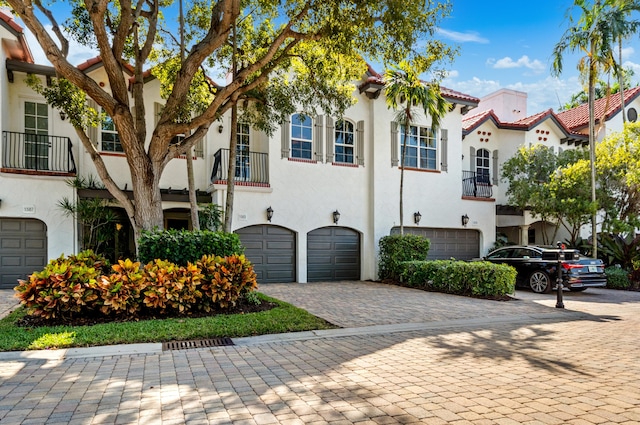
(63, 115)
(220, 128)
(269, 214)
(336, 216)
(417, 217)
(465, 220)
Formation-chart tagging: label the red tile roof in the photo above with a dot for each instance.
(374, 77)
(16, 49)
(578, 117)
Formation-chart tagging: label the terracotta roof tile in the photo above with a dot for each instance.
(578, 117)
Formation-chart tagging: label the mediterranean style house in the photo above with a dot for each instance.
(311, 202)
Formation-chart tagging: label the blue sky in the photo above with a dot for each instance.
(509, 44)
(503, 44)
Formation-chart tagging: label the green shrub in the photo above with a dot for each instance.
(184, 246)
(169, 287)
(120, 291)
(617, 278)
(479, 278)
(66, 287)
(395, 249)
(225, 280)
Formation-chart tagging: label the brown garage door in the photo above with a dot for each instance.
(461, 244)
(23, 249)
(272, 250)
(333, 253)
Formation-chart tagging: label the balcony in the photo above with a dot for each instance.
(37, 154)
(252, 168)
(476, 185)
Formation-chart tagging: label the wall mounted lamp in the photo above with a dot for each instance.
(220, 128)
(465, 220)
(336, 216)
(417, 217)
(63, 115)
(269, 214)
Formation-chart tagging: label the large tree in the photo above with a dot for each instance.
(406, 93)
(293, 55)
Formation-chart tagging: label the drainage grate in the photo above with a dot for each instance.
(198, 343)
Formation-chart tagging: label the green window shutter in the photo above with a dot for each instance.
(472, 159)
(495, 167)
(360, 143)
(444, 135)
(286, 138)
(330, 136)
(318, 139)
(394, 144)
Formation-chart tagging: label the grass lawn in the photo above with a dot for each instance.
(283, 318)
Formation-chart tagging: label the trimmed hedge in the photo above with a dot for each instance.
(617, 278)
(478, 278)
(395, 249)
(186, 246)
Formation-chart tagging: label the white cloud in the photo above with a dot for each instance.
(523, 62)
(460, 37)
(627, 52)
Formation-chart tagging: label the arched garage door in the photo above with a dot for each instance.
(23, 249)
(272, 250)
(461, 244)
(333, 253)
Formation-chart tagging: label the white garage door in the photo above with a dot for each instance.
(23, 249)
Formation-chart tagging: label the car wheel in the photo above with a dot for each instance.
(577, 289)
(540, 282)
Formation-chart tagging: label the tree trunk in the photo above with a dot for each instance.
(233, 147)
(193, 199)
(148, 201)
(621, 81)
(592, 149)
(402, 156)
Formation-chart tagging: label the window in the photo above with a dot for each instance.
(482, 166)
(243, 166)
(109, 136)
(36, 140)
(421, 150)
(301, 136)
(344, 139)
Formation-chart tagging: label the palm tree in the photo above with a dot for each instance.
(404, 92)
(621, 28)
(592, 35)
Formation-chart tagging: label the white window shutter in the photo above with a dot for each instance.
(317, 138)
(394, 144)
(444, 134)
(285, 133)
(330, 137)
(360, 143)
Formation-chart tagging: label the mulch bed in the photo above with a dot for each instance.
(241, 307)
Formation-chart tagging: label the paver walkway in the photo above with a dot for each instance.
(519, 362)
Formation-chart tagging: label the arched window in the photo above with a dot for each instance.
(482, 166)
(301, 136)
(344, 142)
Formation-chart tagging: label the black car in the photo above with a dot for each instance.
(537, 268)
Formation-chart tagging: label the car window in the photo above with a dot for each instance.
(503, 253)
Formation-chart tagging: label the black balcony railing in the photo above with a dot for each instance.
(476, 185)
(38, 152)
(251, 167)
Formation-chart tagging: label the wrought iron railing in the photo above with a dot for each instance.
(38, 152)
(251, 167)
(476, 185)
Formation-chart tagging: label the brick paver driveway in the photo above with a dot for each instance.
(463, 361)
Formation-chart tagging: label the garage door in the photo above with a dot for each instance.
(272, 250)
(333, 253)
(23, 249)
(461, 244)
